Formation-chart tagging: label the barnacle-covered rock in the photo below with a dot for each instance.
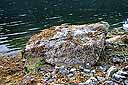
(70, 44)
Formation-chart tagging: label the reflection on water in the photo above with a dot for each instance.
(20, 21)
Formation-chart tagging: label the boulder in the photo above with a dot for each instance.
(70, 44)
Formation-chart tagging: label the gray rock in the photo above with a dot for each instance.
(51, 80)
(47, 76)
(121, 75)
(63, 70)
(91, 81)
(73, 70)
(70, 44)
(103, 68)
(111, 71)
(110, 83)
(84, 83)
(100, 78)
(88, 65)
(125, 68)
(87, 70)
(126, 82)
(81, 68)
(118, 77)
(118, 59)
(70, 75)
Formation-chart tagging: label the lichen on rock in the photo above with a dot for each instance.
(70, 44)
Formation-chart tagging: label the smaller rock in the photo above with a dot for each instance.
(125, 25)
(126, 58)
(47, 76)
(110, 83)
(126, 82)
(84, 83)
(63, 70)
(111, 71)
(118, 59)
(73, 70)
(70, 75)
(81, 68)
(88, 71)
(92, 81)
(125, 68)
(118, 77)
(100, 78)
(93, 72)
(51, 80)
(88, 65)
(103, 68)
(122, 73)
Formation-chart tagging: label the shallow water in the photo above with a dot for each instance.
(20, 19)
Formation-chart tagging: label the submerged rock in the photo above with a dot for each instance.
(69, 44)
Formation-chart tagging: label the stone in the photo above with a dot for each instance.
(70, 75)
(110, 83)
(91, 81)
(87, 70)
(118, 59)
(126, 82)
(73, 70)
(87, 65)
(111, 71)
(103, 67)
(125, 68)
(93, 72)
(84, 83)
(63, 70)
(120, 75)
(100, 78)
(70, 44)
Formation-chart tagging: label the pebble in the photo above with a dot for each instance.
(111, 71)
(126, 82)
(100, 78)
(73, 70)
(81, 68)
(63, 70)
(51, 80)
(117, 59)
(84, 83)
(70, 75)
(103, 68)
(88, 65)
(92, 81)
(125, 68)
(47, 76)
(93, 72)
(118, 77)
(123, 73)
(110, 83)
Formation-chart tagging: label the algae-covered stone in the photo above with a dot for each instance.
(70, 44)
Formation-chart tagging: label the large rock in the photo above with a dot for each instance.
(70, 44)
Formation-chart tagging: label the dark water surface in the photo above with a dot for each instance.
(20, 19)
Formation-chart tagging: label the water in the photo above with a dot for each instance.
(20, 19)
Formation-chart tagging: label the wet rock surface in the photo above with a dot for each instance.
(70, 44)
